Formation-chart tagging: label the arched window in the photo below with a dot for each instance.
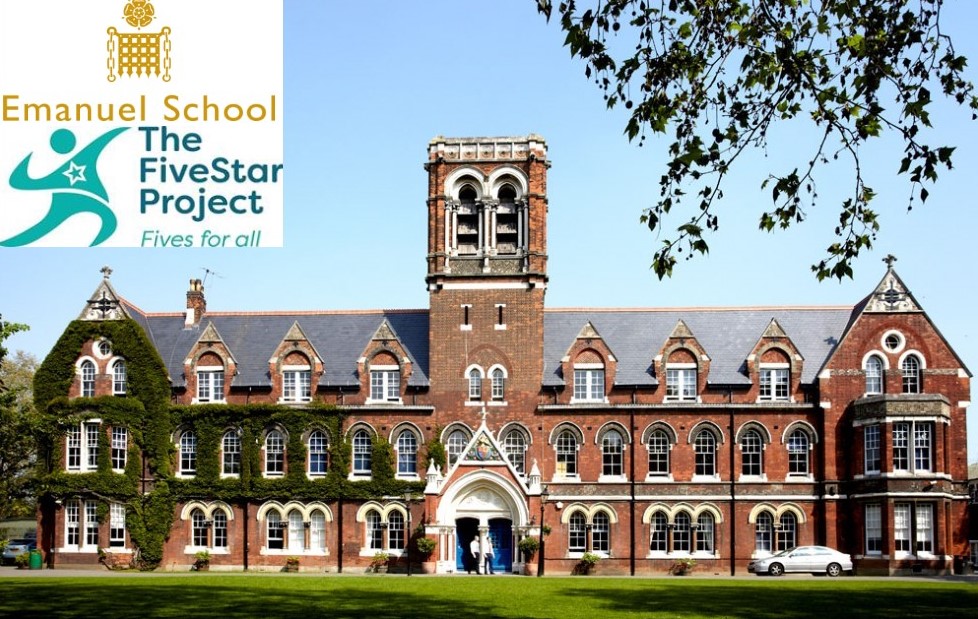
(787, 531)
(658, 453)
(704, 533)
(705, 448)
(119, 386)
(659, 532)
(680, 533)
(220, 529)
(612, 454)
(198, 528)
(231, 453)
(274, 531)
(362, 453)
(874, 375)
(395, 531)
(297, 533)
(752, 454)
(910, 367)
(600, 533)
(576, 533)
(87, 379)
(188, 453)
(498, 384)
(318, 450)
(762, 532)
(407, 453)
(317, 531)
(274, 453)
(374, 532)
(798, 453)
(457, 441)
(566, 453)
(475, 384)
(515, 446)
(469, 221)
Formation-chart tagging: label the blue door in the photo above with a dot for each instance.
(501, 533)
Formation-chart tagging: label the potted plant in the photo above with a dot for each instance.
(23, 560)
(202, 561)
(426, 546)
(529, 546)
(586, 564)
(379, 563)
(682, 566)
(292, 564)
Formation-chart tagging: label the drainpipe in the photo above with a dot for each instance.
(246, 535)
(733, 501)
(339, 536)
(631, 501)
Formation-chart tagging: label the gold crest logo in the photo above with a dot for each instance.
(142, 53)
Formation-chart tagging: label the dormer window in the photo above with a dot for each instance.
(296, 383)
(774, 382)
(588, 382)
(681, 382)
(385, 383)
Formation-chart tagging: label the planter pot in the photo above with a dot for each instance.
(291, 568)
(380, 569)
(530, 569)
(202, 567)
(429, 567)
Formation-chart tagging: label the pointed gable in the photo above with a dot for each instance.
(384, 351)
(294, 345)
(208, 345)
(104, 304)
(682, 347)
(891, 295)
(775, 343)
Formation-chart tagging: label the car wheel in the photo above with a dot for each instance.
(776, 569)
(833, 569)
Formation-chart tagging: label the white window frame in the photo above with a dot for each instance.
(87, 370)
(80, 521)
(497, 378)
(82, 445)
(474, 376)
(666, 455)
(589, 383)
(875, 369)
(872, 449)
(873, 528)
(232, 437)
(119, 446)
(117, 527)
(774, 382)
(296, 384)
(278, 451)
(385, 382)
(564, 458)
(407, 455)
(120, 384)
(912, 446)
(321, 450)
(183, 465)
(361, 454)
(210, 384)
(681, 382)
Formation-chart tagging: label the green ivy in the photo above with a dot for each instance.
(152, 423)
(435, 451)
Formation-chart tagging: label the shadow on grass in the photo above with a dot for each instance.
(461, 598)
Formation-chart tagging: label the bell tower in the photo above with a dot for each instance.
(487, 270)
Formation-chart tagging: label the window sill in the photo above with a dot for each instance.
(475, 402)
(801, 479)
(705, 478)
(659, 478)
(230, 475)
(567, 478)
(189, 550)
(612, 479)
(408, 476)
(197, 401)
(589, 401)
(79, 549)
(372, 402)
(497, 403)
(359, 477)
(753, 478)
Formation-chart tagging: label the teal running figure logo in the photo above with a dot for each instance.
(75, 188)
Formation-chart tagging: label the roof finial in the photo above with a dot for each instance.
(889, 260)
(106, 271)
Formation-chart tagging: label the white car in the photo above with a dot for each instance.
(811, 559)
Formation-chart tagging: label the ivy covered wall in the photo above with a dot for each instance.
(153, 424)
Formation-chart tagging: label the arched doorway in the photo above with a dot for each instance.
(483, 503)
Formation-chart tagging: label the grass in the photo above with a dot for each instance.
(391, 597)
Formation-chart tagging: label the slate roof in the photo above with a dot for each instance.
(339, 337)
(728, 336)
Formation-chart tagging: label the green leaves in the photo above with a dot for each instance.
(718, 76)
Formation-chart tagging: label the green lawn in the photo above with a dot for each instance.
(461, 597)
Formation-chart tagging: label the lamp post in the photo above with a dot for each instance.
(544, 495)
(407, 501)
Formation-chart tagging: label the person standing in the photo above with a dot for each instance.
(474, 548)
(488, 554)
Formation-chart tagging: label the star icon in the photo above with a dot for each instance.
(75, 173)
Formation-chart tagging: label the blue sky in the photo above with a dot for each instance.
(367, 85)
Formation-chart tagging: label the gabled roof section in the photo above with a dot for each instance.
(104, 303)
(681, 331)
(891, 295)
(774, 330)
(728, 334)
(210, 337)
(385, 333)
(254, 338)
(588, 332)
(294, 335)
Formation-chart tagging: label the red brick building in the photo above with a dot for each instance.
(643, 436)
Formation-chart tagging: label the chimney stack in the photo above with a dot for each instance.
(196, 303)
